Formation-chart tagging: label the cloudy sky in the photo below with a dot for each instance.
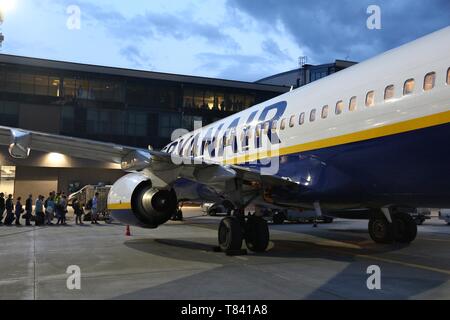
(233, 39)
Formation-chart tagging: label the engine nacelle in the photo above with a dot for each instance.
(133, 200)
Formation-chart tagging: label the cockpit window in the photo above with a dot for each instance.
(448, 76)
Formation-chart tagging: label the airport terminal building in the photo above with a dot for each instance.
(128, 107)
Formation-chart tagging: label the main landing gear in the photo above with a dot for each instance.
(234, 230)
(389, 227)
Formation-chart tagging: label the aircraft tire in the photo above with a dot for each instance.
(230, 234)
(380, 230)
(405, 228)
(256, 234)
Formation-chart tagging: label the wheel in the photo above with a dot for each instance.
(230, 234)
(256, 234)
(212, 213)
(278, 218)
(405, 228)
(380, 230)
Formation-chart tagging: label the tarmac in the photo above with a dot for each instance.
(177, 261)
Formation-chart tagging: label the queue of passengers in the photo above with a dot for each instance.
(45, 210)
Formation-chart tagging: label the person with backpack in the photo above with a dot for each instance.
(9, 205)
(28, 210)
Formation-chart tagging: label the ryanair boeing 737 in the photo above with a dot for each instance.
(365, 142)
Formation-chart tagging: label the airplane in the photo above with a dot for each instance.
(366, 142)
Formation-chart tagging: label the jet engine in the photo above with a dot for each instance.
(133, 200)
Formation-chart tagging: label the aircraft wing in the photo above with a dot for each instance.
(21, 142)
(157, 165)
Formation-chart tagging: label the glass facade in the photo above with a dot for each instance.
(120, 109)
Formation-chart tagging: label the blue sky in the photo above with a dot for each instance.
(234, 39)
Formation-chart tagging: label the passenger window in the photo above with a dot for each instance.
(352, 104)
(324, 112)
(283, 124)
(292, 121)
(258, 131)
(370, 99)
(266, 127)
(408, 88)
(448, 76)
(429, 81)
(274, 125)
(389, 92)
(339, 107)
(301, 119)
(312, 116)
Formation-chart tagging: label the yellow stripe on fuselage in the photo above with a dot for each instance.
(400, 127)
(119, 206)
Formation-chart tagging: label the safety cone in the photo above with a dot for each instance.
(128, 232)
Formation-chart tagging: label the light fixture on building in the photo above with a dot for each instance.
(54, 159)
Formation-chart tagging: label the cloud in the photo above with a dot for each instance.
(330, 30)
(136, 57)
(236, 66)
(271, 47)
(180, 26)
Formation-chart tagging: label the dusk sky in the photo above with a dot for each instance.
(234, 39)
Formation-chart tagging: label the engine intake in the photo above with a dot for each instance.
(133, 200)
(152, 206)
